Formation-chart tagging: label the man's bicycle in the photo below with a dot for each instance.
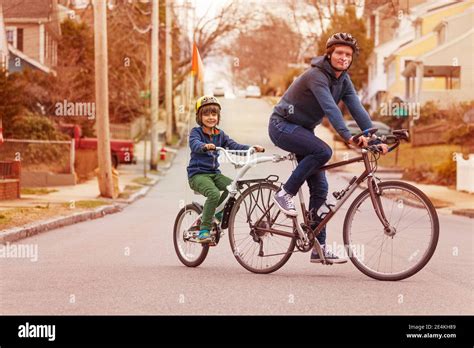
(390, 230)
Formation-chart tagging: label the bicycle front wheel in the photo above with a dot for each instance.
(186, 227)
(403, 250)
(261, 237)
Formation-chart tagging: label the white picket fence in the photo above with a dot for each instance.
(465, 173)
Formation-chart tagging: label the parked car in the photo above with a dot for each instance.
(241, 93)
(253, 92)
(383, 129)
(218, 91)
(121, 150)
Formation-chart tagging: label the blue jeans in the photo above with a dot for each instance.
(311, 154)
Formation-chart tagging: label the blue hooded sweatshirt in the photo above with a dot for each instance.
(315, 93)
(205, 162)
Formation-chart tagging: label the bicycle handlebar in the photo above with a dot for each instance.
(248, 152)
(395, 138)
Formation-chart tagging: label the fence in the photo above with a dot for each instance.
(465, 173)
(428, 135)
(9, 180)
(128, 130)
(43, 162)
(55, 156)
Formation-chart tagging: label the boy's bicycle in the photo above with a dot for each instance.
(390, 230)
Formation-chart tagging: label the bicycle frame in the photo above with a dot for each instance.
(373, 188)
(234, 187)
(371, 183)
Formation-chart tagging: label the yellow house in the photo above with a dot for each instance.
(451, 62)
(426, 40)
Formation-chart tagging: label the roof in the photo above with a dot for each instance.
(441, 69)
(31, 61)
(33, 11)
(26, 8)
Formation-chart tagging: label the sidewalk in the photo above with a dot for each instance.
(36, 213)
(446, 200)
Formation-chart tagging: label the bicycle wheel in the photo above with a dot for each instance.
(190, 253)
(405, 249)
(248, 242)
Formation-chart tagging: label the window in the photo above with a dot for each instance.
(418, 29)
(372, 27)
(11, 36)
(15, 37)
(442, 35)
(391, 73)
(19, 39)
(46, 51)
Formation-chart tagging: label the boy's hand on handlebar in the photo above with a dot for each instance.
(259, 148)
(209, 147)
(361, 142)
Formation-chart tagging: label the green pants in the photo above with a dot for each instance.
(210, 185)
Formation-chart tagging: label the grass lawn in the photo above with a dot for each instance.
(142, 181)
(420, 156)
(36, 191)
(22, 216)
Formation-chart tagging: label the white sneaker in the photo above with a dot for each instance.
(286, 204)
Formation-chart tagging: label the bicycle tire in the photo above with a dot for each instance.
(176, 236)
(273, 189)
(384, 186)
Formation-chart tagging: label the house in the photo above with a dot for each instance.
(449, 63)
(389, 27)
(426, 39)
(32, 31)
(396, 45)
(4, 53)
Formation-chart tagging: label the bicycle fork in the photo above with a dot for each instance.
(374, 191)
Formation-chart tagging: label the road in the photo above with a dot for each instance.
(126, 264)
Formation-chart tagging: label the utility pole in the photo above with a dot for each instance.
(102, 100)
(155, 88)
(169, 76)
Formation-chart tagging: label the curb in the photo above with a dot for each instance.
(17, 233)
(464, 212)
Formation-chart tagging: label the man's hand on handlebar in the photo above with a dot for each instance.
(364, 142)
(360, 142)
(259, 148)
(383, 148)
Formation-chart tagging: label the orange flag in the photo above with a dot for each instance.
(197, 67)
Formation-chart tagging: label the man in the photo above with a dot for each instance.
(310, 97)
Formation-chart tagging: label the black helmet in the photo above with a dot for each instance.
(343, 39)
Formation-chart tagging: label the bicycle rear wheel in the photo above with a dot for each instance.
(405, 249)
(253, 231)
(189, 252)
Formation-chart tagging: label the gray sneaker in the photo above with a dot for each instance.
(315, 258)
(285, 204)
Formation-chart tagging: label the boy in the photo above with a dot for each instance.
(203, 169)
